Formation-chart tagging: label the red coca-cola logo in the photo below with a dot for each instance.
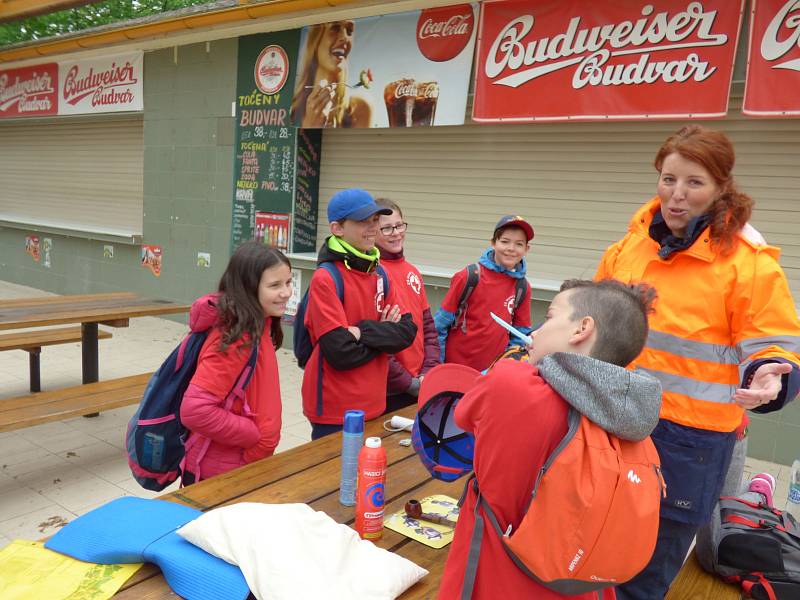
(442, 33)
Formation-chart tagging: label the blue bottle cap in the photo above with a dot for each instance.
(354, 421)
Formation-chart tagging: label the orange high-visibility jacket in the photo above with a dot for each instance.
(715, 313)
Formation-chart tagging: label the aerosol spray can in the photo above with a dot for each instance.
(370, 489)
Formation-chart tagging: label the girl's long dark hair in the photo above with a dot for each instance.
(239, 310)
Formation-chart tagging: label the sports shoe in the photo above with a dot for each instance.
(763, 484)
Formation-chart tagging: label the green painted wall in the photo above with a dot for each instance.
(188, 162)
(188, 186)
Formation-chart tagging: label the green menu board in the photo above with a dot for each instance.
(265, 146)
(306, 199)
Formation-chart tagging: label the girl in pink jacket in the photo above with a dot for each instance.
(246, 310)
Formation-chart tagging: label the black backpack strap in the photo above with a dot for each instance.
(245, 375)
(519, 293)
(382, 272)
(473, 276)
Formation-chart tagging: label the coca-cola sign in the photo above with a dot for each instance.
(772, 87)
(29, 91)
(571, 59)
(108, 84)
(443, 33)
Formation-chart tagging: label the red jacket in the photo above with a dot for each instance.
(245, 433)
(478, 341)
(423, 354)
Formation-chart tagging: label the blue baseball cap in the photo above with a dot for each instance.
(354, 204)
(444, 448)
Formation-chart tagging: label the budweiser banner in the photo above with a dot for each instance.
(29, 91)
(98, 85)
(631, 59)
(401, 70)
(772, 87)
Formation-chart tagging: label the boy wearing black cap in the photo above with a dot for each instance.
(352, 338)
(467, 333)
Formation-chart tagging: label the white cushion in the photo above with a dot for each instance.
(292, 552)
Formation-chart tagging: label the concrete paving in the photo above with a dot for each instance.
(52, 473)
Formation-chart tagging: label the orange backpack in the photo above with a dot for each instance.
(592, 520)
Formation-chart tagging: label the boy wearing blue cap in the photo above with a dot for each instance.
(496, 284)
(352, 338)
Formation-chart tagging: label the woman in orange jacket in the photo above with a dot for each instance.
(724, 335)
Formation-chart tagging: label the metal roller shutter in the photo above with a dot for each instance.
(578, 183)
(82, 175)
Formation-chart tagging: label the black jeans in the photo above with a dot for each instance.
(319, 430)
(398, 401)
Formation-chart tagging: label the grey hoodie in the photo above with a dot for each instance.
(624, 403)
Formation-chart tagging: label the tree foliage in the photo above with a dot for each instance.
(84, 17)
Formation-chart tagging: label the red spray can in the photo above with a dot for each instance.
(370, 489)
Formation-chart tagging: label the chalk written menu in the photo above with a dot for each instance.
(264, 169)
(306, 199)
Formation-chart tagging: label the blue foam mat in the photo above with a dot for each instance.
(132, 530)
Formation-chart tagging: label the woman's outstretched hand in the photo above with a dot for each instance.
(765, 386)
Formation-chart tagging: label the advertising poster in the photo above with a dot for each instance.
(29, 91)
(151, 258)
(572, 59)
(204, 260)
(265, 138)
(272, 229)
(401, 70)
(294, 299)
(32, 247)
(772, 86)
(99, 85)
(47, 248)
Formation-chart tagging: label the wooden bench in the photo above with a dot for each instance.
(86, 399)
(33, 341)
(693, 583)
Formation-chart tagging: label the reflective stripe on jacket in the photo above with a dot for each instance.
(714, 315)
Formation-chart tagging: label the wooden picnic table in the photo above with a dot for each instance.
(310, 474)
(693, 583)
(112, 309)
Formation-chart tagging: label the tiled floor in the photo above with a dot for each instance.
(51, 473)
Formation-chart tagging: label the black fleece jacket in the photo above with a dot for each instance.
(340, 348)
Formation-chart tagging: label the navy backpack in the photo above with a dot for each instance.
(156, 438)
(301, 341)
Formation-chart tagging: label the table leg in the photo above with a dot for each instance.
(91, 371)
(35, 370)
